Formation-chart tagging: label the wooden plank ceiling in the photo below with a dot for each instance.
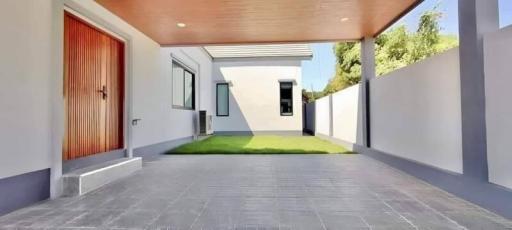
(258, 21)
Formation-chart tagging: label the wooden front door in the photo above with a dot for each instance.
(93, 90)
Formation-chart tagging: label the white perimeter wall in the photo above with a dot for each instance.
(31, 83)
(254, 95)
(416, 112)
(322, 117)
(346, 112)
(498, 82)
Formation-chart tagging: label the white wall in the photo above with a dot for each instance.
(498, 82)
(416, 112)
(346, 114)
(254, 95)
(25, 72)
(31, 83)
(152, 99)
(322, 117)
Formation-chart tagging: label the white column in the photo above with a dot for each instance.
(368, 58)
(476, 18)
(367, 73)
(57, 102)
(331, 116)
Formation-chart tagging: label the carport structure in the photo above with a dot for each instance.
(150, 26)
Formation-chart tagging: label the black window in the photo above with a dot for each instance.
(222, 99)
(183, 87)
(286, 98)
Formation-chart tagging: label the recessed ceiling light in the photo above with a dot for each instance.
(181, 25)
(344, 19)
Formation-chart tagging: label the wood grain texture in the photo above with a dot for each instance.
(92, 60)
(258, 21)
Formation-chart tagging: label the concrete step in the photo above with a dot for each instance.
(85, 180)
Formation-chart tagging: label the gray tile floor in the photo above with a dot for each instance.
(260, 192)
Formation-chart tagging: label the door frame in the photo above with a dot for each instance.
(84, 161)
(93, 16)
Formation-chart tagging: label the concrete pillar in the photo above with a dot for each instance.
(367, 73)
(331, 116)
(57, 102)
(476, 18)
(368, 58)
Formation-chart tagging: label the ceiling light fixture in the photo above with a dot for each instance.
(181, 25)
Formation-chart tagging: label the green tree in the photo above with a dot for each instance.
(312, 96)
(427, 36)
(394, 49)
(348, 67)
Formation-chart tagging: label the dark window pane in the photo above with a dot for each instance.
(183, 87)
(222, 99)
(286, 98)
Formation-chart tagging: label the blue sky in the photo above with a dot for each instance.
(317, 72)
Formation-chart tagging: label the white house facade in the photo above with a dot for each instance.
(263, 85)
(90, 88)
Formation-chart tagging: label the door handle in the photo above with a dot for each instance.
(103, 92)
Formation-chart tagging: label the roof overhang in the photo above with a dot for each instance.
(267, 51)
(258, 21)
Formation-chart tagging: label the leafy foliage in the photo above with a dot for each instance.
(311, 96)
(427, 37)
(394, 49)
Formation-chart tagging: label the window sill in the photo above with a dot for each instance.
(182, 108)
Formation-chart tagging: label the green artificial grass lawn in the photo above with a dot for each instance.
(260, 145)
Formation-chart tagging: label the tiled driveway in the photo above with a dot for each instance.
(261, 192)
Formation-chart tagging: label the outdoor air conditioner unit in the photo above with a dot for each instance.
(205, 123)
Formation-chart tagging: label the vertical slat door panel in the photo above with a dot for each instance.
(114, 124)
(93, 122)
